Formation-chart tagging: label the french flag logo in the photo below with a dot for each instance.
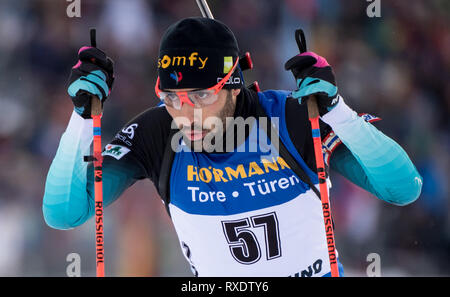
(176, 76)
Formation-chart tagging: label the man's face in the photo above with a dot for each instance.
(198, 122)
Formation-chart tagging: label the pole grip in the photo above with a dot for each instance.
(93, 36)
(96, 106)
(313, 109)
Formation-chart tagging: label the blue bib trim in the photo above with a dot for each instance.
(240, 181)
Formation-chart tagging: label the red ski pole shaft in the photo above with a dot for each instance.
(313, 114)
(98, 186)
(96, 114)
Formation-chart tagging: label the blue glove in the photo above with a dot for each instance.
(92, 75)
(314, 76)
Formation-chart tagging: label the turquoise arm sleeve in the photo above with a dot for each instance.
(372, 160)
(346, 164)
(69, 190)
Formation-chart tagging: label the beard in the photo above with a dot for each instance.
(213, 129)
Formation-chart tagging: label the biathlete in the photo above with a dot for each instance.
(241, 205)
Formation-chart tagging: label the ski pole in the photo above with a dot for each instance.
(96, 113)
(98, 188)
(204, 9)
(313, 115)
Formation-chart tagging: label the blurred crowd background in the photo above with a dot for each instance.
(395, 66)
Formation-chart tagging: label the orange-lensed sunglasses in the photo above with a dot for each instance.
(200, 98)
